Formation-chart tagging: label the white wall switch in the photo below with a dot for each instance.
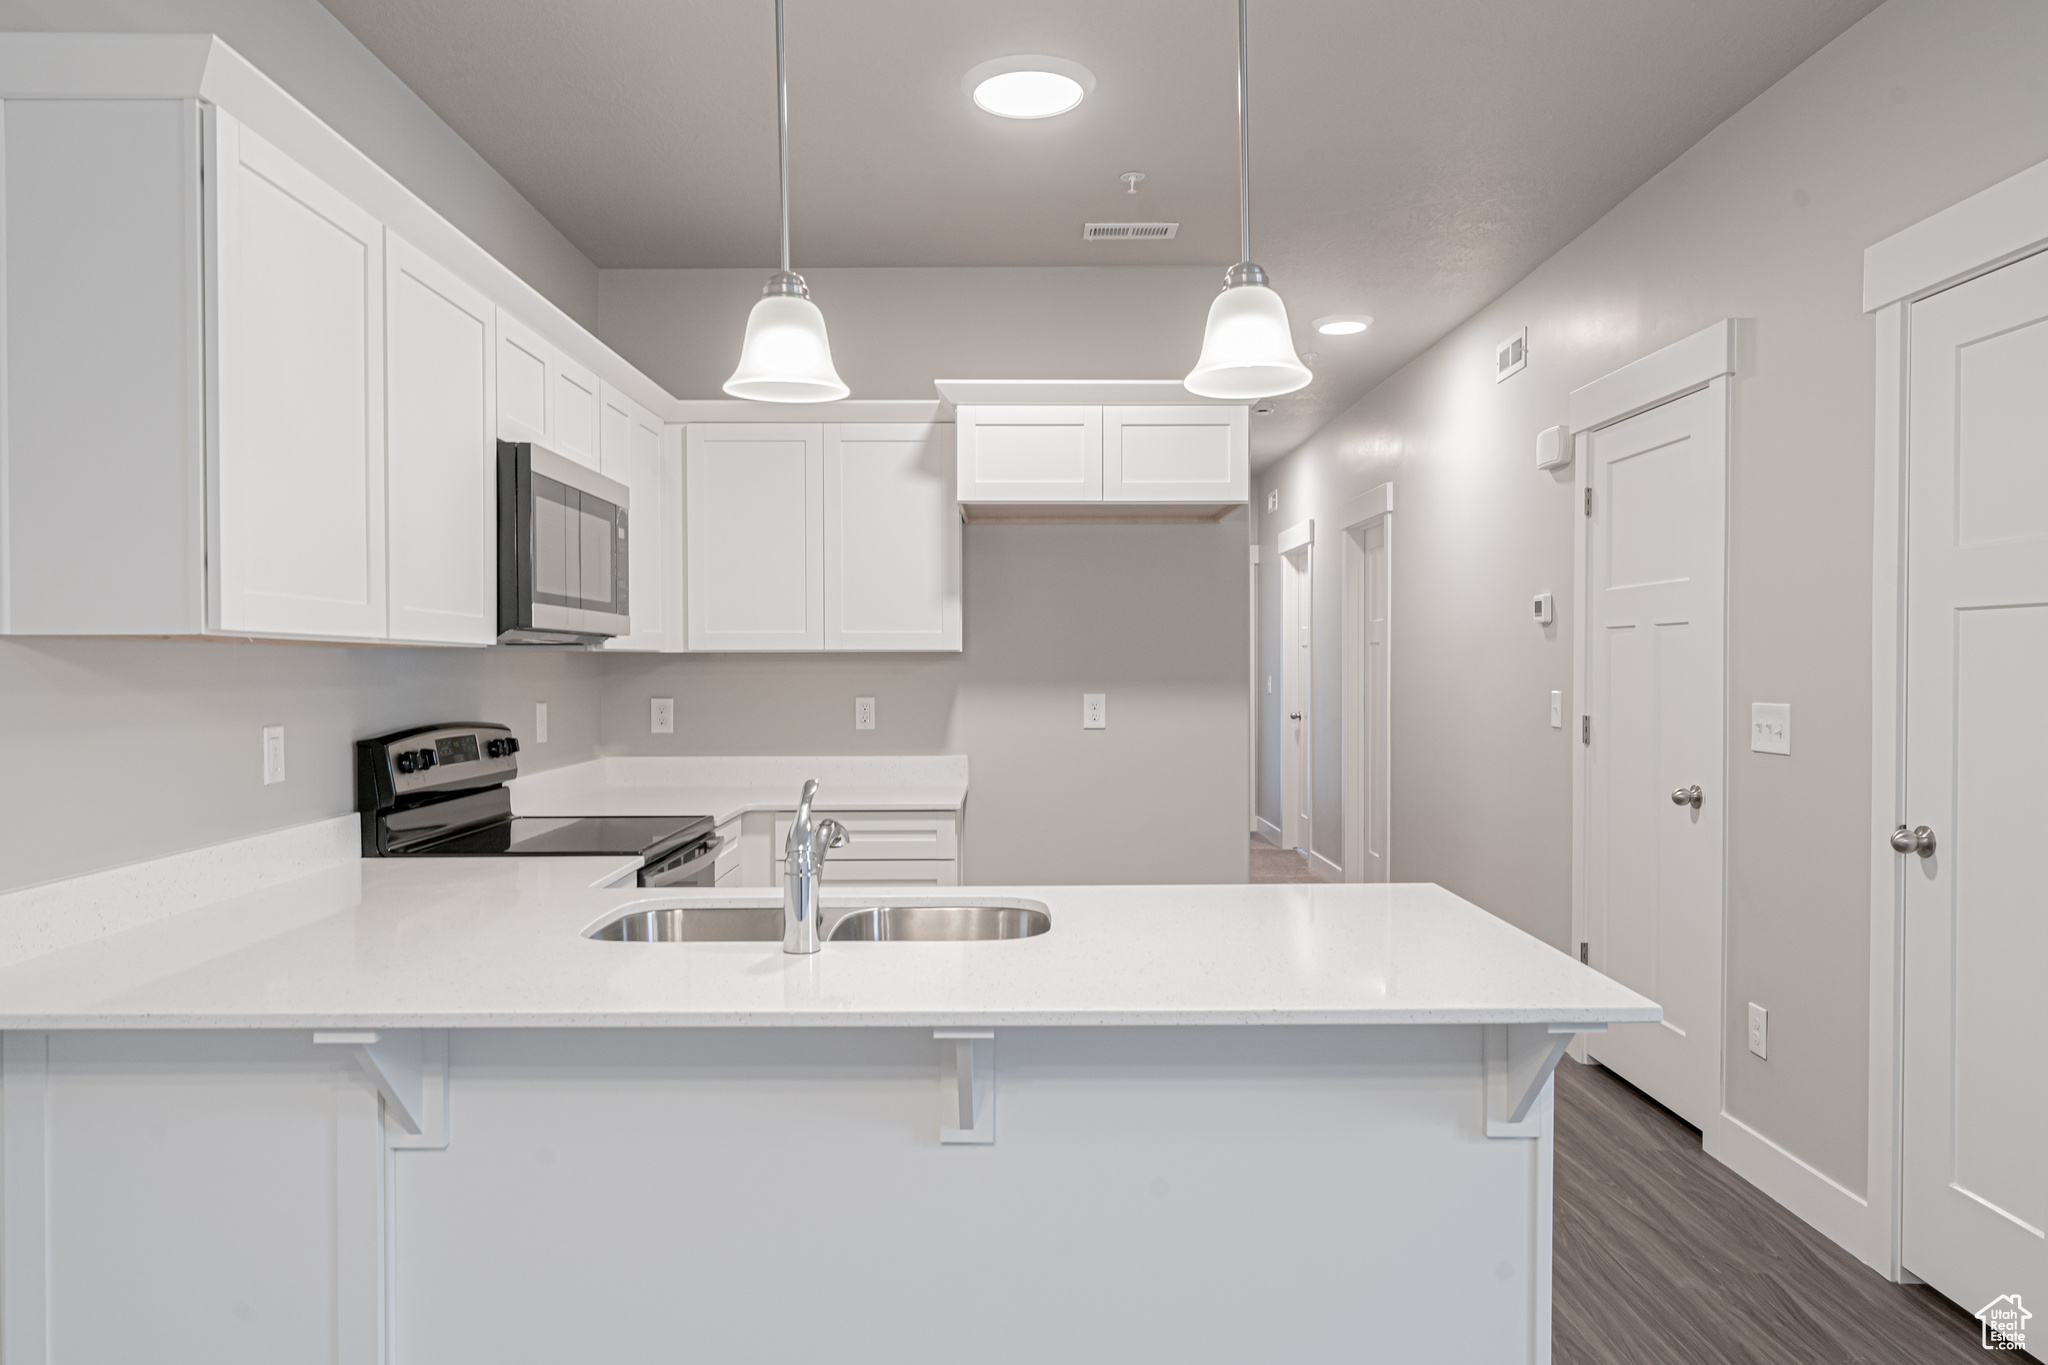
(1554, 447)
(1543, 608)
(540, 722)
(1269, 684)
(273, 754)
(863, 713)
(1094, 711)
(661, 715)
(1756, 1030)
(1557, 710)
(1770, 727)
(1273, 501)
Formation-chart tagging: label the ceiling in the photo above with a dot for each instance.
(1410, 160)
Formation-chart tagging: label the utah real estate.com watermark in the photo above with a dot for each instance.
(2005, 1323)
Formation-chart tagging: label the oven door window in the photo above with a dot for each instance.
(579, 549)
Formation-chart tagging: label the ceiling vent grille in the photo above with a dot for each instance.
(1128, 232)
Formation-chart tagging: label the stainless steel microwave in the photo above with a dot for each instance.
(562, 550)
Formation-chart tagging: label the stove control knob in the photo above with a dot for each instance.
(426, 759)
(511, 745)
(495, 748)
(405, 763)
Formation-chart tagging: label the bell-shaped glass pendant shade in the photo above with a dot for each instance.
(1248, 349)
(786, 357)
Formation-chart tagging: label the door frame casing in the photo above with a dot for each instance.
(1297, 831)
(1991, 229)
(1354, 519)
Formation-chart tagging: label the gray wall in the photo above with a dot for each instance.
(118, 750)
(303, 48)
(1154, 616)
(896, 330)
(1920, 105)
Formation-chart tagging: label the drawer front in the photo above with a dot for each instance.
(884, 836)
(910, 873)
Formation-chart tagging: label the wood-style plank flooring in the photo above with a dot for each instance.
(1279, 865)
(1665, 1255)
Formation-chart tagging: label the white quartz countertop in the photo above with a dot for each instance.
(499, 942)
(724, 787)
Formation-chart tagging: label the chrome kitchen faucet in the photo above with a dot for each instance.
(803, 858)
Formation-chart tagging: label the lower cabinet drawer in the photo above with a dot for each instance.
(878, 872)
(886, 836)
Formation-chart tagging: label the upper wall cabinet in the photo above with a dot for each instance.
(755, 500)
(440, 450)
(892, 537)
(544, 396)
(634, 448)
(1149, 462)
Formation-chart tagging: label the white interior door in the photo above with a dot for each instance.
(1656, 560)
(755, 518)
(1294, 687)
(1975, 1216)
(1368, 731)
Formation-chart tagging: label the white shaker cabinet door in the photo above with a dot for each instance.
(892, 537)
(1181, 453)
(754, 496)
(632, 450)
(524, 359)
(297, 449)
(575, 406)
(441, 449)
(1030, 453)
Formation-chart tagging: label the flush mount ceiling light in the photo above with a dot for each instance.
(1028, 87)
(1343, 324)
(786, 356)
(1247, 349)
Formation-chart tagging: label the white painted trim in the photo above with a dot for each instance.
(1676, 370)
(1108, 392)
(1266, 830)
(1354, 517)
(1294, 537)
(41, 919)
(1322, 866)
(1831, 1208)
(1884, 1170)
(1582, 480)
(25, 1198)
(1991, 228)
(918, 410)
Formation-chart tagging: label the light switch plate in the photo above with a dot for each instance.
(661, 715)
(1756, 1030)
(1094, 711)
(863, 713)
(1770, 727)
(1557, 710)
(540, 722)
(273, 754)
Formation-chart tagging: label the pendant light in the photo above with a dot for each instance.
(1247, 349)
(786, 357)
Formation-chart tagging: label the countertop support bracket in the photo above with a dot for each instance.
(967, 1085)
(409, 1068)
(1519, 1060)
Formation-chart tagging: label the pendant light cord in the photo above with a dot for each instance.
(782, 133)
(1244, 126)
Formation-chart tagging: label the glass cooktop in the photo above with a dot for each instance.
(650, 836)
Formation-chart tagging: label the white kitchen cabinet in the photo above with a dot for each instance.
(544, 396)
(892, 537)
(1188, 453)
(1030, 453)
(755, 528)
(297, 441)
(634, 448)
(573, 411)
(440, 451)
(888, 848)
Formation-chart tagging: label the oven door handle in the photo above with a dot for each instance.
(711, 849)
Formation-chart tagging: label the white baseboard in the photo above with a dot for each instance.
(1831, 1208)
(42, 919)
(1324, 868)
(1266, 830)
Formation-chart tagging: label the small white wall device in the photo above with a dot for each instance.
(1554, 447)
(1544, 608)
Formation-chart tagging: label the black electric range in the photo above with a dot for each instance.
(439, 791)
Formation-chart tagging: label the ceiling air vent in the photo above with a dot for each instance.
(1128, 232)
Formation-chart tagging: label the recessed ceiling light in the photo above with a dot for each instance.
(1028, 87)
(1343, 324)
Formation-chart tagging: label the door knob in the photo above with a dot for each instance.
(1918, 840)
(1688, 796)
(1294, 715)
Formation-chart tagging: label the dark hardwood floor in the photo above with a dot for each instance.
(1665, 1255)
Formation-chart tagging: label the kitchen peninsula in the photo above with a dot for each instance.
(409, 1109)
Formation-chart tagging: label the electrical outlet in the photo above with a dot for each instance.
(1557, 710)
(1094, 711)
(540, 722)
(1756, 1030)
(1770, 727)
(863, 713)
(661, 715)
(273, 754)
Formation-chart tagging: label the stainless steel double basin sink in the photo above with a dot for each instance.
(962, 923)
